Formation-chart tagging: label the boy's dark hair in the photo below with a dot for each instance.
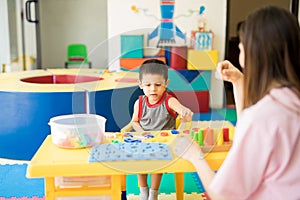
(153, 66)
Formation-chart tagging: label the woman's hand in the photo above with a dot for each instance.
(227, 72)
(186, 148)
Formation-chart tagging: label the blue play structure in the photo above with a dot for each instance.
(24, 116)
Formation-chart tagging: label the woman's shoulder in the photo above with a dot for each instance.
(279, 106)
(278, 101)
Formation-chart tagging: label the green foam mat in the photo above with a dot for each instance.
(192, 184)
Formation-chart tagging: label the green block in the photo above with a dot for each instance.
(196, 136)
(132, 46)
(200, 137)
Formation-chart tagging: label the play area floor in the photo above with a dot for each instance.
(15, 186)
(193, 196)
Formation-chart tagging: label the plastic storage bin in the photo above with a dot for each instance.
(80, 181)
(77, 130)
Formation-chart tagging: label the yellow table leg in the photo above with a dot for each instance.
(116, 187)
(179, 181)
(49, 188)
(123, 184)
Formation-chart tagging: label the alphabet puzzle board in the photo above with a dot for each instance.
(148, 145)
(130, 151)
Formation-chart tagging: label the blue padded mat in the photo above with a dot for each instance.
(130, 151)
(13, 182)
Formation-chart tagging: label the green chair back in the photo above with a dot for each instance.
(77, 54)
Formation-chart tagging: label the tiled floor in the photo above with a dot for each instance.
(172, 196)
(192, 196)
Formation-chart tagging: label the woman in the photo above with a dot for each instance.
(264, 161)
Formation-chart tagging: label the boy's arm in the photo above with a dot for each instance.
(185, 113)
(135, 118)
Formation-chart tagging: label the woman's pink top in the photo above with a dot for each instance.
(264, 161)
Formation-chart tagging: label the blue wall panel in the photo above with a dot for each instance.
(24, 116)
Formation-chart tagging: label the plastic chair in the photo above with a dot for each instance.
(77, 54)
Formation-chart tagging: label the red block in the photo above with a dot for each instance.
(178, 58)
(197, 101)
(226, 134)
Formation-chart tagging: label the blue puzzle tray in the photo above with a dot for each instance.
(130, 151)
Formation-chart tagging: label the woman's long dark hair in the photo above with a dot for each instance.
(271, 39)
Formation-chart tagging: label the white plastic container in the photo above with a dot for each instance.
(77, 130)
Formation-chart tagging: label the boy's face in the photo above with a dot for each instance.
(153, 85)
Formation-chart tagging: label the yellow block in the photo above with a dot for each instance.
(202, 60)
(231, 133)
(220, 139)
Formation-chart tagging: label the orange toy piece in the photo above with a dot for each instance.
(164, 134)
(133, 63)
(208, 136)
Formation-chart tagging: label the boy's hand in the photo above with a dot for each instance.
(186, 115)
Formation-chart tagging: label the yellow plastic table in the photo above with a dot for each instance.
(51, 161)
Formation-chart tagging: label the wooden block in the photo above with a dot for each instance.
(215, 124)
(214, 148)
(208, 136)
(220, 139)
(226, 134)
(231, 133)
(133, 63)
(202, 60)
(200, 137)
